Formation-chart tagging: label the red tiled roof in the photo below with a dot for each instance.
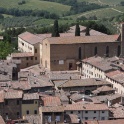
(74, 118)
(31, 96)
(120, 121)
(82, 39)
(53, 109)
(113, 73)
(30, 38)
(13, 94)
(26, 54)
(51, 101)
(91, 107)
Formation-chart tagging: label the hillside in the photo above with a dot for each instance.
(67, 12)
(36, 5)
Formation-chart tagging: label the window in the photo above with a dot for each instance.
(22, 44)
(95, 51)
(103, 112)
(31, 58)
(35, 102)
(35, 111)
(6, 102)
(79, 53)
(94, 111)
(35, 58)
(27, 112)
(86, 118)
(35, 50)
(18, 113)
(94, 118)
(71, 112)
(27, 58)
(78, 112)
(107, 51)
(119, 51)
(17, 102)
(70, 66)
(86, 111)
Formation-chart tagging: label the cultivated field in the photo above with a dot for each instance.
(36, 5)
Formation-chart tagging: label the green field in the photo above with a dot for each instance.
(111, 2)
(100, 13)
(36, 5)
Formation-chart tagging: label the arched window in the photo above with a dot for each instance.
(79, 53)
(95, 51)
(107, 51)
(119, 50)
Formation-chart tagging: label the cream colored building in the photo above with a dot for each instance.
(30, 104)
(29, 46)
(88, 111)
(109, 69)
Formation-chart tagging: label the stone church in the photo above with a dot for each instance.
(65, 53)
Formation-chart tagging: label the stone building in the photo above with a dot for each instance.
(12, 104)
(61, 54)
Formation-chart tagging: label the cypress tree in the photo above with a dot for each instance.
(87, 31)
(55, 32)
(77, 30)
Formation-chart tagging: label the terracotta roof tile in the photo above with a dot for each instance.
(89, 107)
(31, 96)
(51, 101)
(84, 82)
(13, 94)
(26, 54)
(53, 109)
(30, 38)
(82, 39)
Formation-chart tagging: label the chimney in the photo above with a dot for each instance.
(122, 39)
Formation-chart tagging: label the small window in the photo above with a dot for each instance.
(35, 102)
(27, 112)
(31, 58)
(94, 111)
(27, 58)
(86, 111)
(6, 102)
(103, 112)
(71, 112)
(35, 58)
(86, 118)
(79, 112)
(35, 50)
(35, 111)
(18, 113)
(17, 102)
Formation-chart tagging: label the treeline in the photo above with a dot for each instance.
(19, 21)
(96, 26)
(78, 7)
(38, 13)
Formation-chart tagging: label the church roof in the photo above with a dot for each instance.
(82, 39)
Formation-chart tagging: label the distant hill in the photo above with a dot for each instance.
(36, 5)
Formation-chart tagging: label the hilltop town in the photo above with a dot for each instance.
(71, 78)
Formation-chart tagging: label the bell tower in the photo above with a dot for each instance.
(122, 39)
